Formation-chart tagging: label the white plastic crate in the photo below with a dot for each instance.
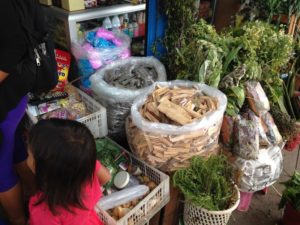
(149, 206)
(96, 121)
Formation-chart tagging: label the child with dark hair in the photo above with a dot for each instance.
(62, 154)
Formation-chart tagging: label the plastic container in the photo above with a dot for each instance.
(130, 30)
(116, 24)
(107, 24)
(96, 121)
(124, 180)
(122, 197)
(150, 205)
(245, 201)
(135, 29)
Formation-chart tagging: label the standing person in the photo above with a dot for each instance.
(62, 154)
(13, 90)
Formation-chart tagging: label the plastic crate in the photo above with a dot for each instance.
(96, 121)
(144, 210)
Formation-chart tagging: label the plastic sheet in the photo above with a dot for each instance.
(99, 47)
(122, 197)
(118, 100)
(260, 173)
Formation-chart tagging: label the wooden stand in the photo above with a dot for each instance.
(171, 213)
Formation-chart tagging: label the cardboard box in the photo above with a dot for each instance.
(72, 5)
(46, 2)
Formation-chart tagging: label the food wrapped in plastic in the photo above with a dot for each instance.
(168, 146)
(99, 47)
(227, 130)
(257, 98)
(260, 173)
(246, 135)
(118, 84)
(263, 139)
(272, 131)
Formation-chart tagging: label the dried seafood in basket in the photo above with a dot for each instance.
(174, 121)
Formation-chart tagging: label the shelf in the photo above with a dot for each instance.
(100, 12)
(68, 20)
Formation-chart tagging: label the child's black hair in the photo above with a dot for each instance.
(65, 156)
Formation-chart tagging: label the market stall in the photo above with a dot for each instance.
(193, 133)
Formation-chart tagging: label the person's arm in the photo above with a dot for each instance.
(3, 75)
(103, 175)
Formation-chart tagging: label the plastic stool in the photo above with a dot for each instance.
(245, 201)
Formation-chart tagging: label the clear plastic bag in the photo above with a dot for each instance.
(272, 131)
(169, 147)
(99, 47)
(122, 197)
(246, 134)
(118, 100)
(257, 98)
(260, 173)
(208, 121)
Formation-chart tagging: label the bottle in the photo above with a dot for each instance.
(107, 23)
(124, 180)
(141, 22)
(135, 29)
(116, 24)
(125, 24)
(130, 30)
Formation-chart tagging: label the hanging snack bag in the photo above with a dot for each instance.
(63, 60)
(257, 98)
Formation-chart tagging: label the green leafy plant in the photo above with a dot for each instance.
(207, 184)
(200, 61)
(284, 122)
(267, 9)
(181, 16)
(291, 194)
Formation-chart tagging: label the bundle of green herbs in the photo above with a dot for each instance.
(207, 183)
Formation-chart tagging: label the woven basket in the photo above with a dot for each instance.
(198, 216)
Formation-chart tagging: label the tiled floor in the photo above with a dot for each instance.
(264, 208)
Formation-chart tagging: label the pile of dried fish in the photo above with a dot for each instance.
(132, 76)
(177, 106)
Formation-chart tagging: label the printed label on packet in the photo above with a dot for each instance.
(63, 60)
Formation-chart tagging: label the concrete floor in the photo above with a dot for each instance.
(264, 207)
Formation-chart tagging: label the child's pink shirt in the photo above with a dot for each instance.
(41, 215)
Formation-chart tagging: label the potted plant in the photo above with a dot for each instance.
(291, 200)
(209, 191)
